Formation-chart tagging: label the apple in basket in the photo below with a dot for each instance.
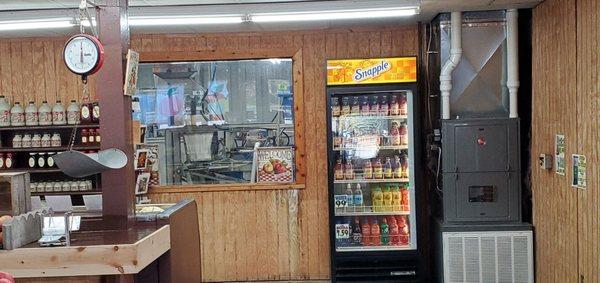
(275, 166)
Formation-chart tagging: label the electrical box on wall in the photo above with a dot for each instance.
(481, 170)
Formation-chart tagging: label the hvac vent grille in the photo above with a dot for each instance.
(487, 257)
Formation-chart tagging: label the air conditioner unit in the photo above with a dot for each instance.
(486, 257)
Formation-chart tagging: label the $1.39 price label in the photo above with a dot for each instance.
(340, 201)
(342, 231)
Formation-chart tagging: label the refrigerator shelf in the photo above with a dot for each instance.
(373, 248)
(364, 117)
(365, 148)
(371, 213)
(360, 181)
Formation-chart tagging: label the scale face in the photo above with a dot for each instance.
(83, 54)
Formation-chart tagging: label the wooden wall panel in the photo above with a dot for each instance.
(566, 99)
(285, 233)
(246, 235)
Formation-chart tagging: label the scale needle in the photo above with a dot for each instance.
(81, 53)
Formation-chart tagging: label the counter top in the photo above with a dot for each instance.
(91, 253)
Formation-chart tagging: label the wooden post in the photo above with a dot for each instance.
(115, 119)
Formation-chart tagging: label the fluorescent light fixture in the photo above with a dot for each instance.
(36, 24)
(335, 15)
(184, 20)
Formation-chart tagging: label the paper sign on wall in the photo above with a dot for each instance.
(579, 171)
(559, 153)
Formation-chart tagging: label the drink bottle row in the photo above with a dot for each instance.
(372, 231)
(388, 197)
(346, 137)
(373, 169)
(369, 106)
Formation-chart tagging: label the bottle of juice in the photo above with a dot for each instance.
(394, 106)
(404, 237)
(385, 232)
(345, 107)
(339, 170)
(366, 233)
(335, 107)
(394, 231)
(405, 199)
(384, 107)
(355, 107)
(378, 169)
(396, 198)
(349, 170)
(377, 199)
(365, 108)
(356, 233)
(337, 140)
(396, 167)
(403, 105)
(388, 173)
(358, 200)
(387, 198)
(367, 170)
(350, 198)
(374, 106)
(395, 133)
(403, 131)
(404, 165)
(375, 234)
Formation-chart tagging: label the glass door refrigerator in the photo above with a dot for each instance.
(372, 132)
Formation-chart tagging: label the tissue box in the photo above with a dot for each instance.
(15, 197)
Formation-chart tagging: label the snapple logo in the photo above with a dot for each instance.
(371, 72)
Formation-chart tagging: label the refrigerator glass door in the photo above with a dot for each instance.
(373, 181)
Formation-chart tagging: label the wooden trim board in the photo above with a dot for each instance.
(86, 260)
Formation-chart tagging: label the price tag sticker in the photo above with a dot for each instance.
(340, 201)
(342, 231)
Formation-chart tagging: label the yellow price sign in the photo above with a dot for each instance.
(372, 71)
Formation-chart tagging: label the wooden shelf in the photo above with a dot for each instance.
(47, 127)
(47, 149)
(94, 192)
(359, 181)
(383, 147)
(363, 117)
(369, 213)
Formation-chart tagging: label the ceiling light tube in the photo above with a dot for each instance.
(184, 20)
(36, 24)
(335, 15)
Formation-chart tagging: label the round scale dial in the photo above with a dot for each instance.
(83, 54)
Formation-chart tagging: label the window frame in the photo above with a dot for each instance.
(299, 141)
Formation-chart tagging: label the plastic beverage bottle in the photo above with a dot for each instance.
(404, 165)
(335, 107)
(349, 170)
(394, 106)
(396, 198)
(385, 232)
(403, 134)
(394, 232)
(345, 107)
(358, 199)
(384, 107)
(350, 198)
(377, 196)
(378, 170)
(396, 167)
(366, 233)
(356, 233)
(395, 133)
(404, 237)
(31, 114)
(58, 114)
(367, 170)
(387, 199)
(365, 108)
(388, 173)
(339, 170)
(405, 199)
(403, 105)
(375, 234)
(374, 106)
(73, 114)
(4, 112)
(355, 107)
(17, 115)
(45, 114)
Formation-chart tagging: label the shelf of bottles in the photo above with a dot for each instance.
(372, 189)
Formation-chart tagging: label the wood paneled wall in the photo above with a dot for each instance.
(279, 234)
(566, 100)
(246, 235)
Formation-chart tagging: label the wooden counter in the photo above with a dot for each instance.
(84, 259)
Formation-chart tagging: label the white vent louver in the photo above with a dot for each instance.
(486, 257)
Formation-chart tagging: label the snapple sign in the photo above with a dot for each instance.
(371, 72)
